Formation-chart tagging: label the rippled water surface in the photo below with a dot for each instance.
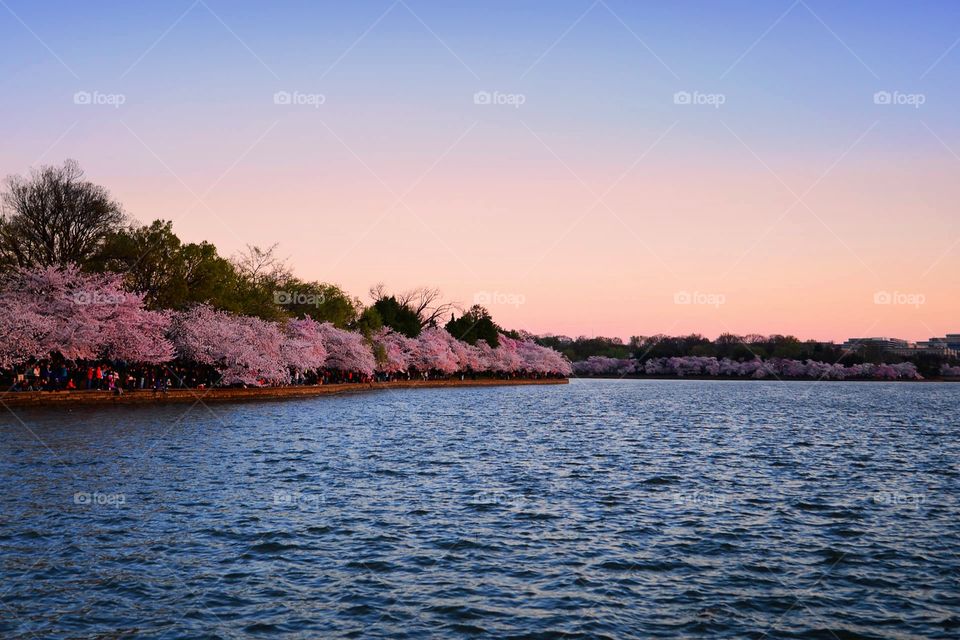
(600, 508)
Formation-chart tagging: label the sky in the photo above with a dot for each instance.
(584, 167)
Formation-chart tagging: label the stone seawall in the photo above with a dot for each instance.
(70, 398)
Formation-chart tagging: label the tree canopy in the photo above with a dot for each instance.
(55, 218)
(475, 324)
(397, 316)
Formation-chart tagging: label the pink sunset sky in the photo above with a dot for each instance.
(598, 206)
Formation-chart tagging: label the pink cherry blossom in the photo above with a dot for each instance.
(302, 348)
(398, 351)
(545, 361)
(506, 356)
(347, 351)
(79, 316)
(89, 316)
(245, 350)
(755, 368)
(433, 352)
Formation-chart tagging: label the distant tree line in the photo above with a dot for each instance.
(583, 347)
(736, 348)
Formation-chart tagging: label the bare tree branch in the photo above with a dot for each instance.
(257, 265)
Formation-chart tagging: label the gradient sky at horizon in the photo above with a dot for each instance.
(585, 210)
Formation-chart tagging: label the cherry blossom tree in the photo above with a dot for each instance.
(756, 368)
(475, 359)
(139, 336)
(243, 349)
(596, 366)
(347, 351)
(460, 350)
(487, 358)
(79, 316)
(302, 348)
(545, 361)
(792, 369)
(398, 351)
(559, 364)
(506, 358)
(22, 332)
(908, 371)
(655, 367)
(433, 352)
(728, 367)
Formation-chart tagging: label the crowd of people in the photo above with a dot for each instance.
(103, 376)
(119, 378)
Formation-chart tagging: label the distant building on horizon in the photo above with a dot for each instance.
(881, 344)
(948, 345)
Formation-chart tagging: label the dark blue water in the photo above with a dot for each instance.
(599, 509)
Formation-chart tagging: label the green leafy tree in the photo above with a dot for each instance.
(204, 277)
(475, 324)
(321, 301)
(583, 347)
(397, 316)
(262, 278)
(173, 275)
(785, 347)
(368, 324)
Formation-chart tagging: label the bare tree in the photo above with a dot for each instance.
(379, 292)
(262, 266)
(425, 302)
(54, 217)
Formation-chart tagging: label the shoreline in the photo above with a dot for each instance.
(752, 379)
(221, 394)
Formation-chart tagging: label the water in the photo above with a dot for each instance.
(598, 509)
